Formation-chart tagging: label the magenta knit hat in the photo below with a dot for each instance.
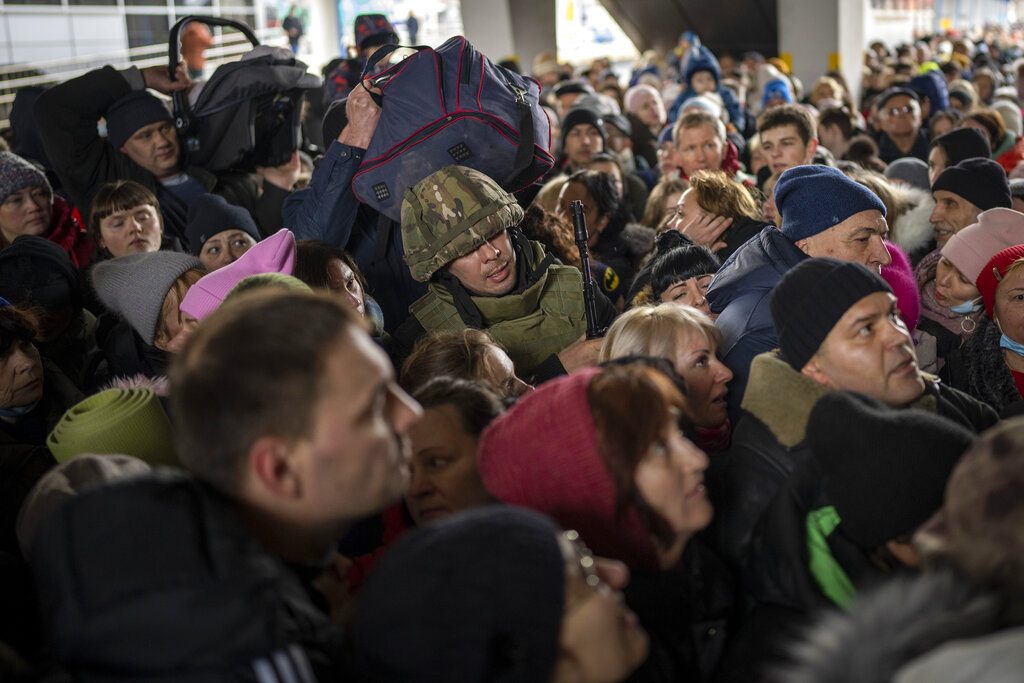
(900, 277)
(971, 248)
(276, 254)
(993, 273)
(543, 454)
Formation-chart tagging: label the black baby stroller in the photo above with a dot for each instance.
(248, 113)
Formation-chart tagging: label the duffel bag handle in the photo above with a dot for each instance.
(376, 59)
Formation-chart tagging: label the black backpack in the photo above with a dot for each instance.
(248, 113)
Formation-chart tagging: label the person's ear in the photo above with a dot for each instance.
(801, 244)
(812, 147)
(272, 463)
(813, 369)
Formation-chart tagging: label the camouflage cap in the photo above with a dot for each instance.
(449, 214)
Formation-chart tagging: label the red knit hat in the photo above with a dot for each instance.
(993, 273)
(543, 454)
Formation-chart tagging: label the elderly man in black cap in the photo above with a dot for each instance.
(839, 330)
(899, 112)
(963, 191)
(141, 145)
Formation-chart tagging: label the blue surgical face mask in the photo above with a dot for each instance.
(1007, 343)
(19, 411)
(966, 307)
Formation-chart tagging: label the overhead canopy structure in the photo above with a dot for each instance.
(723, 25)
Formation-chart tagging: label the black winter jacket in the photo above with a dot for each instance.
(66, 116)
(154, 578)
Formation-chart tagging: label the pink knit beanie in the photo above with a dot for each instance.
(276, 254)
(543, 454)
(971, 248)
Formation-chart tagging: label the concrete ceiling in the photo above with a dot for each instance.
(724, 25)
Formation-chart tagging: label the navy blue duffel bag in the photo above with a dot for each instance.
(447, 106)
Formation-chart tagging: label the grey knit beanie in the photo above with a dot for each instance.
(136, 285)
(17, 174)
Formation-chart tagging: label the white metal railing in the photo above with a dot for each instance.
(227, 47)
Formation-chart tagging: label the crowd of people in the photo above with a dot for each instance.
(253, 430)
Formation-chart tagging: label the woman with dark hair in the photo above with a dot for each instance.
(943, 121)
(617, 246)
(443, 477)
(678, 271)
(606, 451)
(125, 218)
(1006, 148)
(324, 266)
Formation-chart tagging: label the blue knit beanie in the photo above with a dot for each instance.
(130, 113)
(814, 198)
(701, 59)
(776, 88)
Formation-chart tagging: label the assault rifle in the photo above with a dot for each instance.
(579, 225)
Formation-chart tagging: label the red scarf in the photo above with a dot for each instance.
(67, 232)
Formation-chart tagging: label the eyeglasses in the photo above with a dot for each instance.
(899, 111)
(586, 558)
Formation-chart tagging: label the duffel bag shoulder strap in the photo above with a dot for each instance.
(524, 153)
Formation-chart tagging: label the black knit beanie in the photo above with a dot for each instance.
(884, 469)
(130, 113)
(962, 143)
(209, 214)
(811, 298)
(982, 182)
(580, 116)
(477, 596)
(37, 271)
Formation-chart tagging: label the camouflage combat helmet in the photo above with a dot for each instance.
(449, 214)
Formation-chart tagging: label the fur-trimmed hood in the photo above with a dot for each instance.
(889, 627)
(912, 230)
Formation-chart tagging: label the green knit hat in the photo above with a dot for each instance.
(126, 421)
(280, 281)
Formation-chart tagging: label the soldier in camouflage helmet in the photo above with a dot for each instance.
(460, 234)
(453, 213)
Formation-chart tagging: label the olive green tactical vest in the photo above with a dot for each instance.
(532, 325)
